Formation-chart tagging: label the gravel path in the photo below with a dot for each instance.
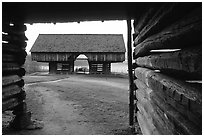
(79, 105)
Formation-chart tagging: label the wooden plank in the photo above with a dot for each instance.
(10, 67)
(193, 117)
(154, 23)
(143, 124)
(167, 14)
(10, 104)
(182, 125)
(176, 89)
(144, 92)
(183, 64)
(9, 91)
(13, 49)
(142, 86)
(7, 80)
(149, 121)
(8, 58)
(20, 59)
(51, 56)
(111, 57)
(144, 20)
(185, 32)
(160, 121)
(13, 71)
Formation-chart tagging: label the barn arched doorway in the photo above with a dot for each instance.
(81, 64)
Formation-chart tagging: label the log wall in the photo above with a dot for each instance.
(13, 58)
(168, 69)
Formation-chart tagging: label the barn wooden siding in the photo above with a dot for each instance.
(13, 58)
(53, 67)
(99, 67)
(168, 84)
(47, 57)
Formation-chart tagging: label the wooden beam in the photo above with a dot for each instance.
(13, 49)
(143, 124)
(184, 33)
(182, 125)
(148, 121)
(185, 94)
(10, 104)
(9, 91)
(155, 22)
(7, 80)
(143, 20)
(184, 64)
(157, 18)
(20, 59)
(130, 73)
(10, 67)
(144, 96)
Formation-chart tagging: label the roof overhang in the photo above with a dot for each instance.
(47, 12)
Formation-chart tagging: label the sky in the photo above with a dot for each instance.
(93, 27)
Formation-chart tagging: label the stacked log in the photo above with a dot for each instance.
(168, 73)
(13, 58)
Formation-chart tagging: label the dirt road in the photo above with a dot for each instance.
(79, 104)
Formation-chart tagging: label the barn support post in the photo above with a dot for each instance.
(71, 70)
(130, 73)
(52, 67)
(106, 68)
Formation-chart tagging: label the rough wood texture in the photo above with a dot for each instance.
(157, 18)
(145, 92)
(10, 91)
(154, 21)
(182, 125)
(148, 120)
(15, 49)
(43, 57)
(10, 67)
(183, 64)
(166, 122)
(99, 67)
(159, 123)
(20, 72)
(10, 104)
(143, 20)
(166, 119)
(7, 80)
(46, 57)
(179, 91)
(13, 57)
(143, 124)
(111, 57)
(185, 32)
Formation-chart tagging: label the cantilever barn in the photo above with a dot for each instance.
(165, 90)
(61, 50)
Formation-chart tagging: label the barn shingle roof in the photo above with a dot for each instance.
(79, 43)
